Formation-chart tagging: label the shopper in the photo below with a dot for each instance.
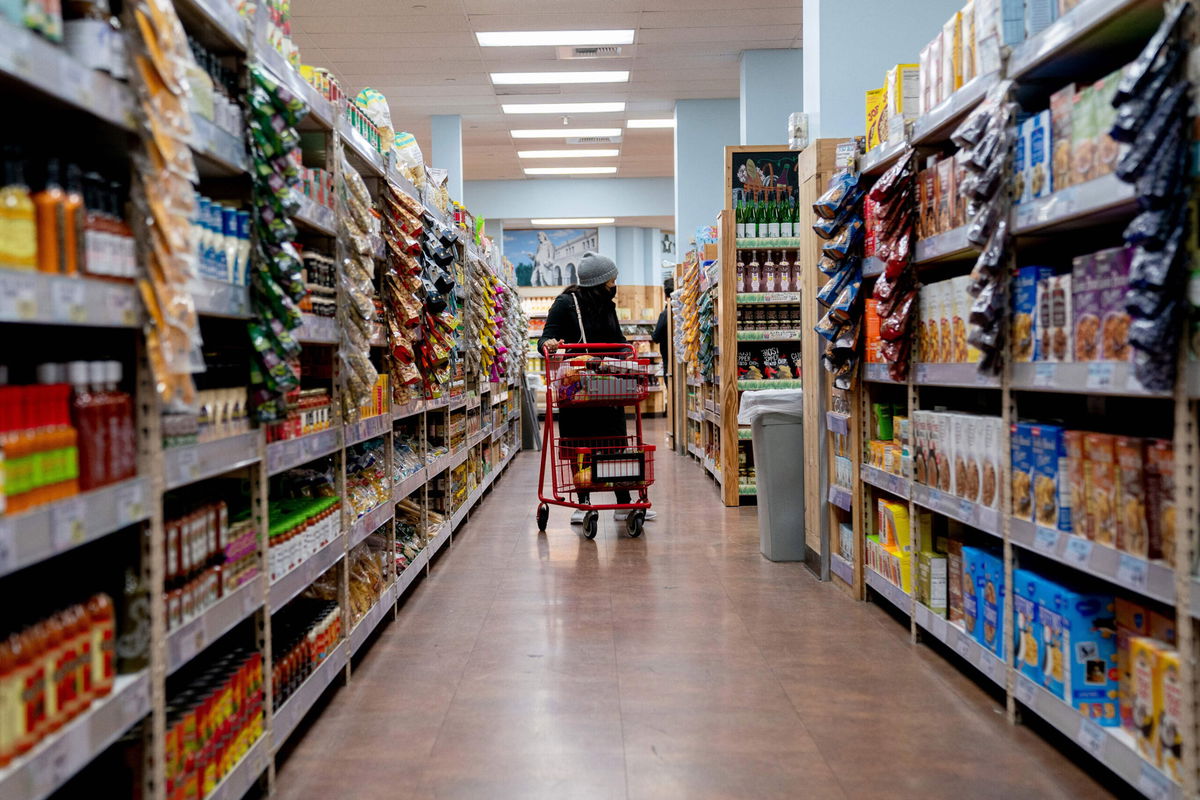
(661, 338)
(589, 304)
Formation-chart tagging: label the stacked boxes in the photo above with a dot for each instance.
(958, 454)
(943, 311)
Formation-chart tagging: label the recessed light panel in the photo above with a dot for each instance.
(537, 78)
(552, 38)
(567, 153)
(562, 108)
(570, 170)
(563, 133)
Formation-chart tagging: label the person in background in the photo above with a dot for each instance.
(661, 337)
(589, 302)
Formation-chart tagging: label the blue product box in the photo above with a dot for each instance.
(1021, 449)
(1027, 655)
(1080, 664)
(1051, 489)
(1025, 338)
(972, 577)
(990, 586)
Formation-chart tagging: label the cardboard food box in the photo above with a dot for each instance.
(925, 79)
(954, 579)
(903, 91)
(1100, 480)
(1105, 151)
(1038, 166)
(1171, 732)
(1076, 483)
(1132, 620)
(990, 632)
(952, 79)
(931, 581)
(1050, 491)
(1021, 446)
(936, 95)
(1081, 659)
(988, 451)
(1160, 498)
(1054, 319)
(1085, 309)
(876, 106)
(1028, 634)
(970, 57)
(972, 580)
(925, 203)
(946, 321)
(1146, 701)
(1062, 107)
(1111, 269)
(967, 428)
(1024, 311)
(947, 194)
(1020, 172)
(920, 425)
(1133, 534)
(1083, 135)
(942, 445)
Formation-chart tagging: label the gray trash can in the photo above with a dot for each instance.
(777, 432)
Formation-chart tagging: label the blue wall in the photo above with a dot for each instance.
(771, 89)
(702, 130)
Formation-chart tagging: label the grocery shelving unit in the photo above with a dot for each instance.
(1087, 42)
(77, 309)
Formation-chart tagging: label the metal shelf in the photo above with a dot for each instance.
(312, 214)
(1084, 32)
(767, 298)
(300, 578)
(695, 416)
(893, 484)
(368, 523)
(937, 124)
(1153, 579)
(1086, 204)
(221, 153)
(50, 70)
(216, 16)
(289, 453)
(841, 567)
(409, 485)
(220, 299)
(188, 640)
(367, 159)
(289, 715)
(1083, 377)
(949, 246)
(498, 433)
(317, 330)
(411, 573)
(370, 621)
(1112, 747)
(54, 760)
(35, 535)
(878, 373)
(961, 375)
(968, 513)
(368, 428)
(961, 642)
(872, 267)
(191, 463)
(245, 773)
(40, 298)
(460, 514)
(409, 409)
(890, 591)
(880, 158)
(438, 539)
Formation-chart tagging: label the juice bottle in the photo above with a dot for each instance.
(103, 634)
(72, 222)
(49, 206)
(85, 416)
(18, 223)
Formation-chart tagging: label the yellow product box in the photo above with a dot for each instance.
(894, 525)
(923, 531)
(876, 113)
(903, 90)
(1146, 701)
(1170, 715)
(952, 77)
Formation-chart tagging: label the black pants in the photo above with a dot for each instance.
(593, 423)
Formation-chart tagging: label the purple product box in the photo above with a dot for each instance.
(1112, 282)
(1085, 299)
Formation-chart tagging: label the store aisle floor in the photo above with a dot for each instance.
(680, 665)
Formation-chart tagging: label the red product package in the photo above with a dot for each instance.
(870, 224)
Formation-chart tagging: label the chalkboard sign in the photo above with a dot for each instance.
(767, 172)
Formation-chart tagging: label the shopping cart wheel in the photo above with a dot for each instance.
(634, 522)
(543, 515)
(591, 522)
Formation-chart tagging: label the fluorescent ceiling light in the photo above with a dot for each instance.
(594, 76)
(567, 153)
(574, 221)
(562, 108)
(650, 123)
(563, 133)
(570, 170)
(552, 38)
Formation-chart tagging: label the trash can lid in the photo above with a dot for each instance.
(756, 403)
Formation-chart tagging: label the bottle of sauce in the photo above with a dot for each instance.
(29, 688)
(18, 221)
(84, 415)
(51, 636)
(10, 702)
(785, 273)
(83, 657)
(769, 274)
(125, 258)
(64, 668)
(49, 207)
(73, 215)
(103, 633)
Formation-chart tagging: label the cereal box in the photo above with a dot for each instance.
(960, 312)
(1146, 702)
(903, 87)
(1038, 165)
(1056, 327)
(1081, 659)
(1099, 471)
(954, 579)
(1076, 483)
(1041, 320)
(942, 441)
(1083, 134)
(970, 59)
(991, 598)
(965, 468)
(946, 320)
(1028, 633)
(1050, 492)
(987, 37)
(1105, 149)
(972, 580)
(936, 95)
(1160, 499)
(961, 173)
(1170, 714)
(926, 179)
(1021, 445)
(1111, 269)
(1132, 532)
(1024, 307)
(875, 108)
(989, 460)
(1020, 183)
(1085, 308)
(923, 531)
(920, 428)
(1062, 105)
(925, 79)
(1132, 620)
(952, 79)
(931, 581)
(947, 194)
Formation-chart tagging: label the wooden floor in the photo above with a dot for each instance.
(680, 665)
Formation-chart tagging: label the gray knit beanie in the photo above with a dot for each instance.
(595, 269)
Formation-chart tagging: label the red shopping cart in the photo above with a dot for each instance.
(592, 375)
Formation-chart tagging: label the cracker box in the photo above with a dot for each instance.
(925, 79)
(1132, 620)
(942, 446)
(1160, 499)
(1062, 106)
(931, 581)
(954, 579)
(947, 194)
(1085, 309)
(920, 424)
(1020, 182)
(1083, 134)
(990, 631)
(952, 55)
(970, 58)
(1038, 165)
(967, 432)
(946, 320)
(1050, 492)
(1024, 310)
(1081, 651)
(876, 102)
(1021, 445)
(1170, 714)
(988, 451)
(972, 580)
(1027, 653)
(1100, 479)
(1111, 270)
(893, 524)
(1146, 702)
(903, 88)
(1132, 533)
(1076, 483)
(960, 312)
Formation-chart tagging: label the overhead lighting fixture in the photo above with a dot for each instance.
(650, 123)
(552, 38)
(570, 170)
(567, 153)
(563, 133)
(562, 108)
(530, 78)
(574, 221)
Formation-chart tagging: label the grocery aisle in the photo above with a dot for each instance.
(679, 665)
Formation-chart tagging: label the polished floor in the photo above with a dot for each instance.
(680, 665)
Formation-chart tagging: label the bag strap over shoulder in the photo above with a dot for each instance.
(579, 316)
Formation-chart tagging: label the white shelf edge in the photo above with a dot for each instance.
(975, 515)
(189, 464)
(292, 583)
(192, 637)
(981, 658)
(890, 591)
(288, 453)
(369, 522)
(888, 482)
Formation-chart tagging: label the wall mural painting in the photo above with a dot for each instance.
(550, 256)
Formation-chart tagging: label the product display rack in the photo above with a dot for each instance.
(82, 306)
(1088, 41)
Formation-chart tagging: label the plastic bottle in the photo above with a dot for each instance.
(48, 206)
(50, 652)
(72, 222)
(126, 247)
(28, 684)
(18, 224)
(126, 430)
(242, 272)
(84, 415)
(98, 242)
(103, 633)
(229, 240)
(60, 458)
(10, 702)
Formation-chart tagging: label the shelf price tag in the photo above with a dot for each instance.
(135, 702)
(1091, 737)
(962, 644)
(1101, 375)
(1026, 693)
(1043, 374)
(121, 301)
(18, 297)
(987, 663)
(68, 301)
(188, 463)
(922, 373)
(966, 512)
(1131, 571)
(131, 503)
(68, 524)
(8, 548)
(1078, 551)
(1154, 784)
(1045, 540)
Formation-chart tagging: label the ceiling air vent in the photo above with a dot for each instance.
(595, 51)
(508, 91)
(594, 140)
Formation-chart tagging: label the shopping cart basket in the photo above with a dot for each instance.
(593, 375)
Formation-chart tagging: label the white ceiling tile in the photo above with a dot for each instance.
(750, 37)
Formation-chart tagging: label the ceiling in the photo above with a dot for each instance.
(423, 55)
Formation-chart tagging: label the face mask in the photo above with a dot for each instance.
(612, 291)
